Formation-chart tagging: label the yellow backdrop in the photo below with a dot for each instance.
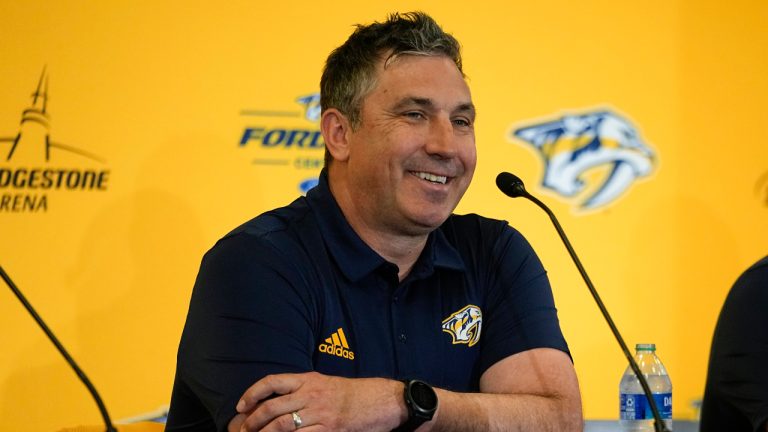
(169, 123)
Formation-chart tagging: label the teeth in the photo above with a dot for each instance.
(432, 177)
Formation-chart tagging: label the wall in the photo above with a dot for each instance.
(156, 97)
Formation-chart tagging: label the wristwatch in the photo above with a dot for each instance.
(421, 401)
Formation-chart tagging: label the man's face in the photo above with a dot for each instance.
(413, 154)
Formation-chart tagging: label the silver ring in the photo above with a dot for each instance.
(296, 419)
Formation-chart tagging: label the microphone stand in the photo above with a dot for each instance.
(62, 350)
(519, 190)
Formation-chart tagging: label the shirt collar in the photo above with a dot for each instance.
(355, 258)
(438, 253)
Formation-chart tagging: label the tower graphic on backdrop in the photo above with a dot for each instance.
(33, 165)
(33, 140)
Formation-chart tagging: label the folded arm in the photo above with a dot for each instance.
(535, 390)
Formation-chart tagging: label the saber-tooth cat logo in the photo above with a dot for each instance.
(287, 139)
(464, 325)
(27, 173)
(574, 148)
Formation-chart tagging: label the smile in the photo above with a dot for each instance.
(431, 177)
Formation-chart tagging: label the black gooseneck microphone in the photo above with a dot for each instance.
(60, 347)
(513, 187)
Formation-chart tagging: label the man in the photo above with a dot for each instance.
(736, 394)
(367, 305)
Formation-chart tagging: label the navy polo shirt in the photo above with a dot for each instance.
(296, 290)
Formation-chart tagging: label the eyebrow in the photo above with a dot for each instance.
(467, 107)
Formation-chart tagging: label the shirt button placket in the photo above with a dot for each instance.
(397, 318)
(398, 327)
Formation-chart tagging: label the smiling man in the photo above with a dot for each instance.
(367, 305)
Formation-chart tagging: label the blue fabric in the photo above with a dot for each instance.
(270, 293)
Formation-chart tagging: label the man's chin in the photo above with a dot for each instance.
(426, 223)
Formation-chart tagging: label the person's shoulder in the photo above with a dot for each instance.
(476, 233)
(756, 275)
(749, 290)
(275, 220)
(472, 223)
(277, 227)
(761, 266)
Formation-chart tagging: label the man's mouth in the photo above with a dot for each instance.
(430, 177)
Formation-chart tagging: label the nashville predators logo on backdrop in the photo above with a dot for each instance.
(29, 161)
(599, 155)
(464, 325)
(287, 139)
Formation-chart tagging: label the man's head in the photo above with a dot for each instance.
(351, 69)
(403, 163)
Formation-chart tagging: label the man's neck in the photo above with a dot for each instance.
(395, 246)
(402, 251)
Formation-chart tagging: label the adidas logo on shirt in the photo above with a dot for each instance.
(337, 345)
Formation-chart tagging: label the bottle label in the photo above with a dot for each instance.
(636, 406)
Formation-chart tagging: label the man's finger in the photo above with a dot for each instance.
(287, 417)
(284, 422)
(271, 384)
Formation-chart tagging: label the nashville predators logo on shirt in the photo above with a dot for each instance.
(464, 325)
(337, 345)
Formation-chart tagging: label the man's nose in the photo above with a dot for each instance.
(442, 140)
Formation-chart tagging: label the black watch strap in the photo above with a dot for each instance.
(421, 401)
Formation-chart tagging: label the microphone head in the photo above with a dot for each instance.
(511, 185)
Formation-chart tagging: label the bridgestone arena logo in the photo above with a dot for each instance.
(24, 186)
(53, 179)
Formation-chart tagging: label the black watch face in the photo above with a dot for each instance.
(423, 395)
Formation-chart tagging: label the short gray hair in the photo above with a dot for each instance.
(350, 70)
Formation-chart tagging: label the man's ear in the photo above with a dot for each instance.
(336, 127)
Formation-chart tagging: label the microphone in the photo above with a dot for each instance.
(62, 350)
(513, 187)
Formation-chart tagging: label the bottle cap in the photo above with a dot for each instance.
(645, 347)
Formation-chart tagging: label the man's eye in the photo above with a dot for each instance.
(414, 115)
(462, 122)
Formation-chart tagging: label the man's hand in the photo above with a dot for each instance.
(324, 403)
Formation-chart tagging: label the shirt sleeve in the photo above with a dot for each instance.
(250, 315)
(523, 314)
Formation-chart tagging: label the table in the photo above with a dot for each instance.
(613, 426)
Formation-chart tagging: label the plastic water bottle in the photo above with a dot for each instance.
(635, 412)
